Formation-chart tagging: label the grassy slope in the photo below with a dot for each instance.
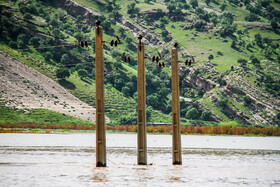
(38, 116)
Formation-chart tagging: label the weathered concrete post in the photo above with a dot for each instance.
(141, 109)
(176, 131)
(100, 104)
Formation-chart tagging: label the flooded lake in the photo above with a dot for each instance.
(69, 160)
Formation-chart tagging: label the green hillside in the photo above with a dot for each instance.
(236, 45)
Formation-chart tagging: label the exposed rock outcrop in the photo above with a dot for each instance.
(136, 29)
(194, 80)
(261, 110)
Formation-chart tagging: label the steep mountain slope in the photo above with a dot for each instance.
(236, 45)
(25, 88)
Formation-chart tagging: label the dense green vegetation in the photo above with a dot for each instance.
(214, 30)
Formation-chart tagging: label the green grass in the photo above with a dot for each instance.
(151, 6)
(216, 110)
(89, 4)
(251, 135)
(202, 46)
(38, 116)
(158, 117)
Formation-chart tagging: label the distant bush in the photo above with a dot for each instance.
(247, 100)
(62, 73)
(197, 71)
(258, 40)
(82, 73)
(23, 37)
(252, 17)
(48, 55)
(221, 81)
(199, 25)
(13, 44)
(64, 59)
(78, 67)
(210, 57)
(129, 119)
(194, 3)
(255, 61)
(233, 44)
(132, 10)
(278, 115)
(192, 114)
(171, 7)
(206, 115)
(223, 102)
(72, 70)
(34, 41)
(274, 24)
(223, 7)
(126, 91)
(242, 61)
(21, 44)
(207, 2)
(27, 16)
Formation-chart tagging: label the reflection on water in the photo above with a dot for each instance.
(28, 164)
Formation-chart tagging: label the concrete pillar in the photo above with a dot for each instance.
(100, 104)
(176, 131)
(141, 109)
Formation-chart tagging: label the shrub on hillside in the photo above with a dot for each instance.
(254, 60)
(48, 55)
(199, 25)
(82, 73)
(206, 115)
(210, 57)
(247, 100)
(194, 3)
(223, 102)
(192, 114)
(223, 7)
(62, 73)
(13, 44)
(242, 61)
(64, 59)
(252, 17)
(27, 16)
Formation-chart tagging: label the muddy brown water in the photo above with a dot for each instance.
(69, 160)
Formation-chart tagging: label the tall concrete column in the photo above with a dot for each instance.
(176, 131)
(100, 104)
(141, 109)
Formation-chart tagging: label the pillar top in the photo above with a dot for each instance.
(98, 22)
(140, 37)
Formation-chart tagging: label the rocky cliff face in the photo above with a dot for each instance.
(196, 80)
(261, 110)
(263, 107)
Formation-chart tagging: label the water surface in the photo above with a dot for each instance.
(69, 160)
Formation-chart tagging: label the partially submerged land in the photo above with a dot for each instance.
(221, 129)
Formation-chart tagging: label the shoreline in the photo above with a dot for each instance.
(73, 131)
